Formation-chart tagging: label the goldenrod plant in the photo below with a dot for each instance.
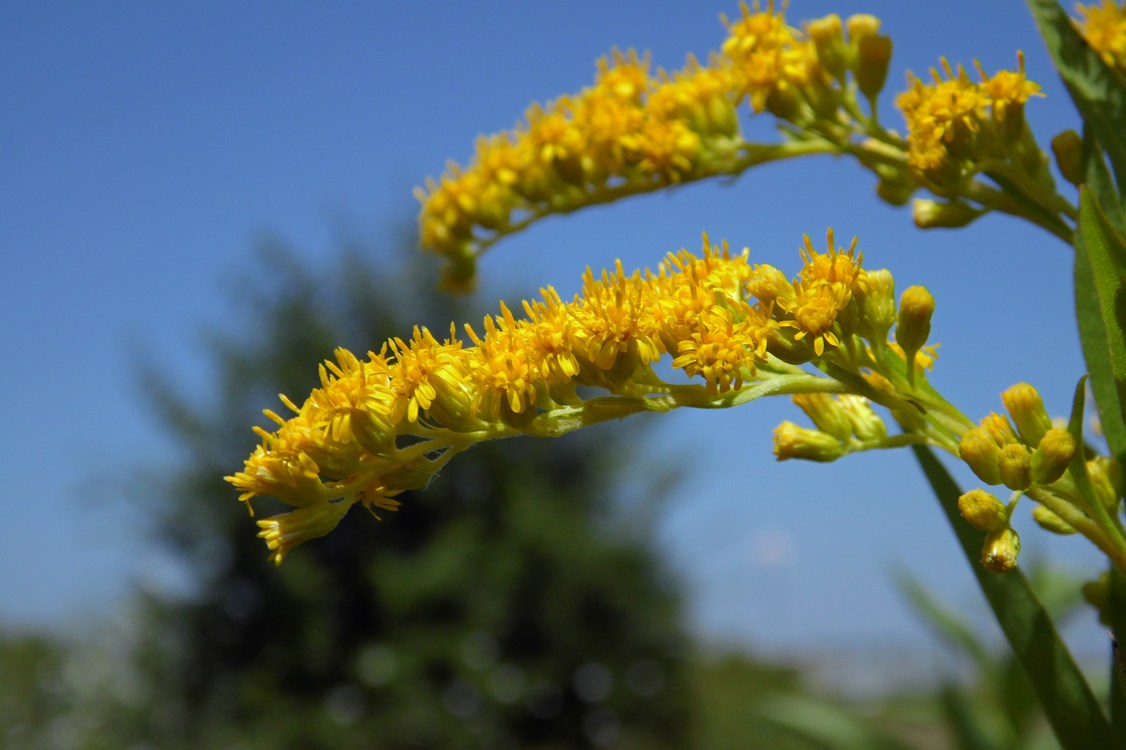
(714, 329)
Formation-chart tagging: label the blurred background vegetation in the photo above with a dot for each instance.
(517, 603)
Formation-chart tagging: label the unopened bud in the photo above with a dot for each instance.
(983, 510)
(1049, 521)
(929, 214)
(1106, 479)
(916, 307)
(793, 441)
(1052, 456)
(1015, 466)
(827, 35)
(867, 425)
(1097, 594)
(768, 284)
(873, 57)
(1001, 550)
(876, 299)
(862, 26)
(826, 413)
(1067, 147)
(999, 428)
(981, 452)
(1028, 412)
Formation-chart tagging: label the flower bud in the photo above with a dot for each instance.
(768, 284)
(1106, 479)
(1097, 594)
(1001, 550)
(285, 531)
(1015, 466)
(1028, 412)
(983, 510)
(826, 413)
(1049, 521)
(978, 449)
(914, 325)
(792, 441)
(930, 214)
(867, 425)
(1067, 147)
(876, 304)
(827, 35)
(998, 428)
(862, 26)
(873, 57)
(1052, 456)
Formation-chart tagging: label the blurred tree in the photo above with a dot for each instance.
(504, 607)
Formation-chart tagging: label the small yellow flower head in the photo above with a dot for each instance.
(1049, 521)
(624, 76)
(1015, 466)
(822, 291)
(501, 369)
(1052, 456)
(666, 150)
(793, 441)
(913, 326)
(954, 121)
(774, 61)
(724, 348)
(549, 338)
(423, 370)
(614, 317)
(942, 119)
(983, 511)
(1027, 410)
(1104, 28)
(1001, 549)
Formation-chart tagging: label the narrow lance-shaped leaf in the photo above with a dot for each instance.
(1100, 303)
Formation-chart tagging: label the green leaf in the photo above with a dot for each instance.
(1100, 307)
(1097, 91)
(1068, 703)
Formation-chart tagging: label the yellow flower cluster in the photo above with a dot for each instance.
(630, 128)
(1104, 28)
(384, 424)
(953, 124)
(1028, 456)
(634, 131)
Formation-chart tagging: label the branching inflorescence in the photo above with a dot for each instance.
(711, 330)
(634, 132)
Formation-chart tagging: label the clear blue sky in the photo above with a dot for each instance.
(144, 148)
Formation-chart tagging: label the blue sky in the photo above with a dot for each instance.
(145, 147)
